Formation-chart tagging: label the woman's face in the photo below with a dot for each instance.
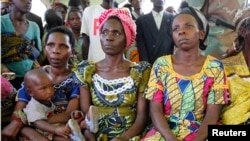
(113, 38)
(58, 49)
(185, 32)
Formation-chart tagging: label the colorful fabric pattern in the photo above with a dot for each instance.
(131, 53)
(64, 91)
(17, 47)
(185, 98)
(238, 73)
(117, 110)
(32, 34)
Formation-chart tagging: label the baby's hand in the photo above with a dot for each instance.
(63, 131)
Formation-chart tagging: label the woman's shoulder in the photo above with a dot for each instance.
(84, 66)
(85, 63)
(143, 64)
(213, 62)
(233, 60)
(163, 60)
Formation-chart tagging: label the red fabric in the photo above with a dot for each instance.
(56, 4)
(126, 20)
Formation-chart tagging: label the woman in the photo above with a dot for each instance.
(186, 90)
(20, 41)
(58, 48)
(237, 67)
(115, 85)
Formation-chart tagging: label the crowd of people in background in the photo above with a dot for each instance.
(107, 72)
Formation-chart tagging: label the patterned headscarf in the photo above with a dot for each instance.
(201, 19)
(126, 20)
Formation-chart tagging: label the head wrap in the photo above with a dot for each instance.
(128, 24)
(241, 16)
(57, 4)
(200, 18)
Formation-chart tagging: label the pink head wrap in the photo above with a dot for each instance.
(126, 20)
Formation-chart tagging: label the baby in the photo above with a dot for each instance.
(40, 87)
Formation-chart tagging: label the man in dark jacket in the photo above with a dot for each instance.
(153, 33)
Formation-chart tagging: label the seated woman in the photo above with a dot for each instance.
(58, 48)
(115, 85)
(186, 90)
(237, 67)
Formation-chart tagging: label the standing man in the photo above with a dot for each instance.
(136, 8)
(90, 29)
(153, 33)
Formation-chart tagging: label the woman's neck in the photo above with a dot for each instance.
(59, 74)
(114, 61)
(76, 33)
(59, 71)
(187, 57)
(18, 16)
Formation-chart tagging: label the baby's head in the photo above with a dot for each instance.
(39, 85)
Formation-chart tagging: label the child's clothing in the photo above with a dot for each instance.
(37, 111)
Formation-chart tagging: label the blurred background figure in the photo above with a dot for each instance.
(61, 8)
(85, 3)
(153, 33)
(52, 19)
(220, 15)
(74, 23)
(76, 4)
(170, 9)
(136, 8)
(5, 7)
(90, 29)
